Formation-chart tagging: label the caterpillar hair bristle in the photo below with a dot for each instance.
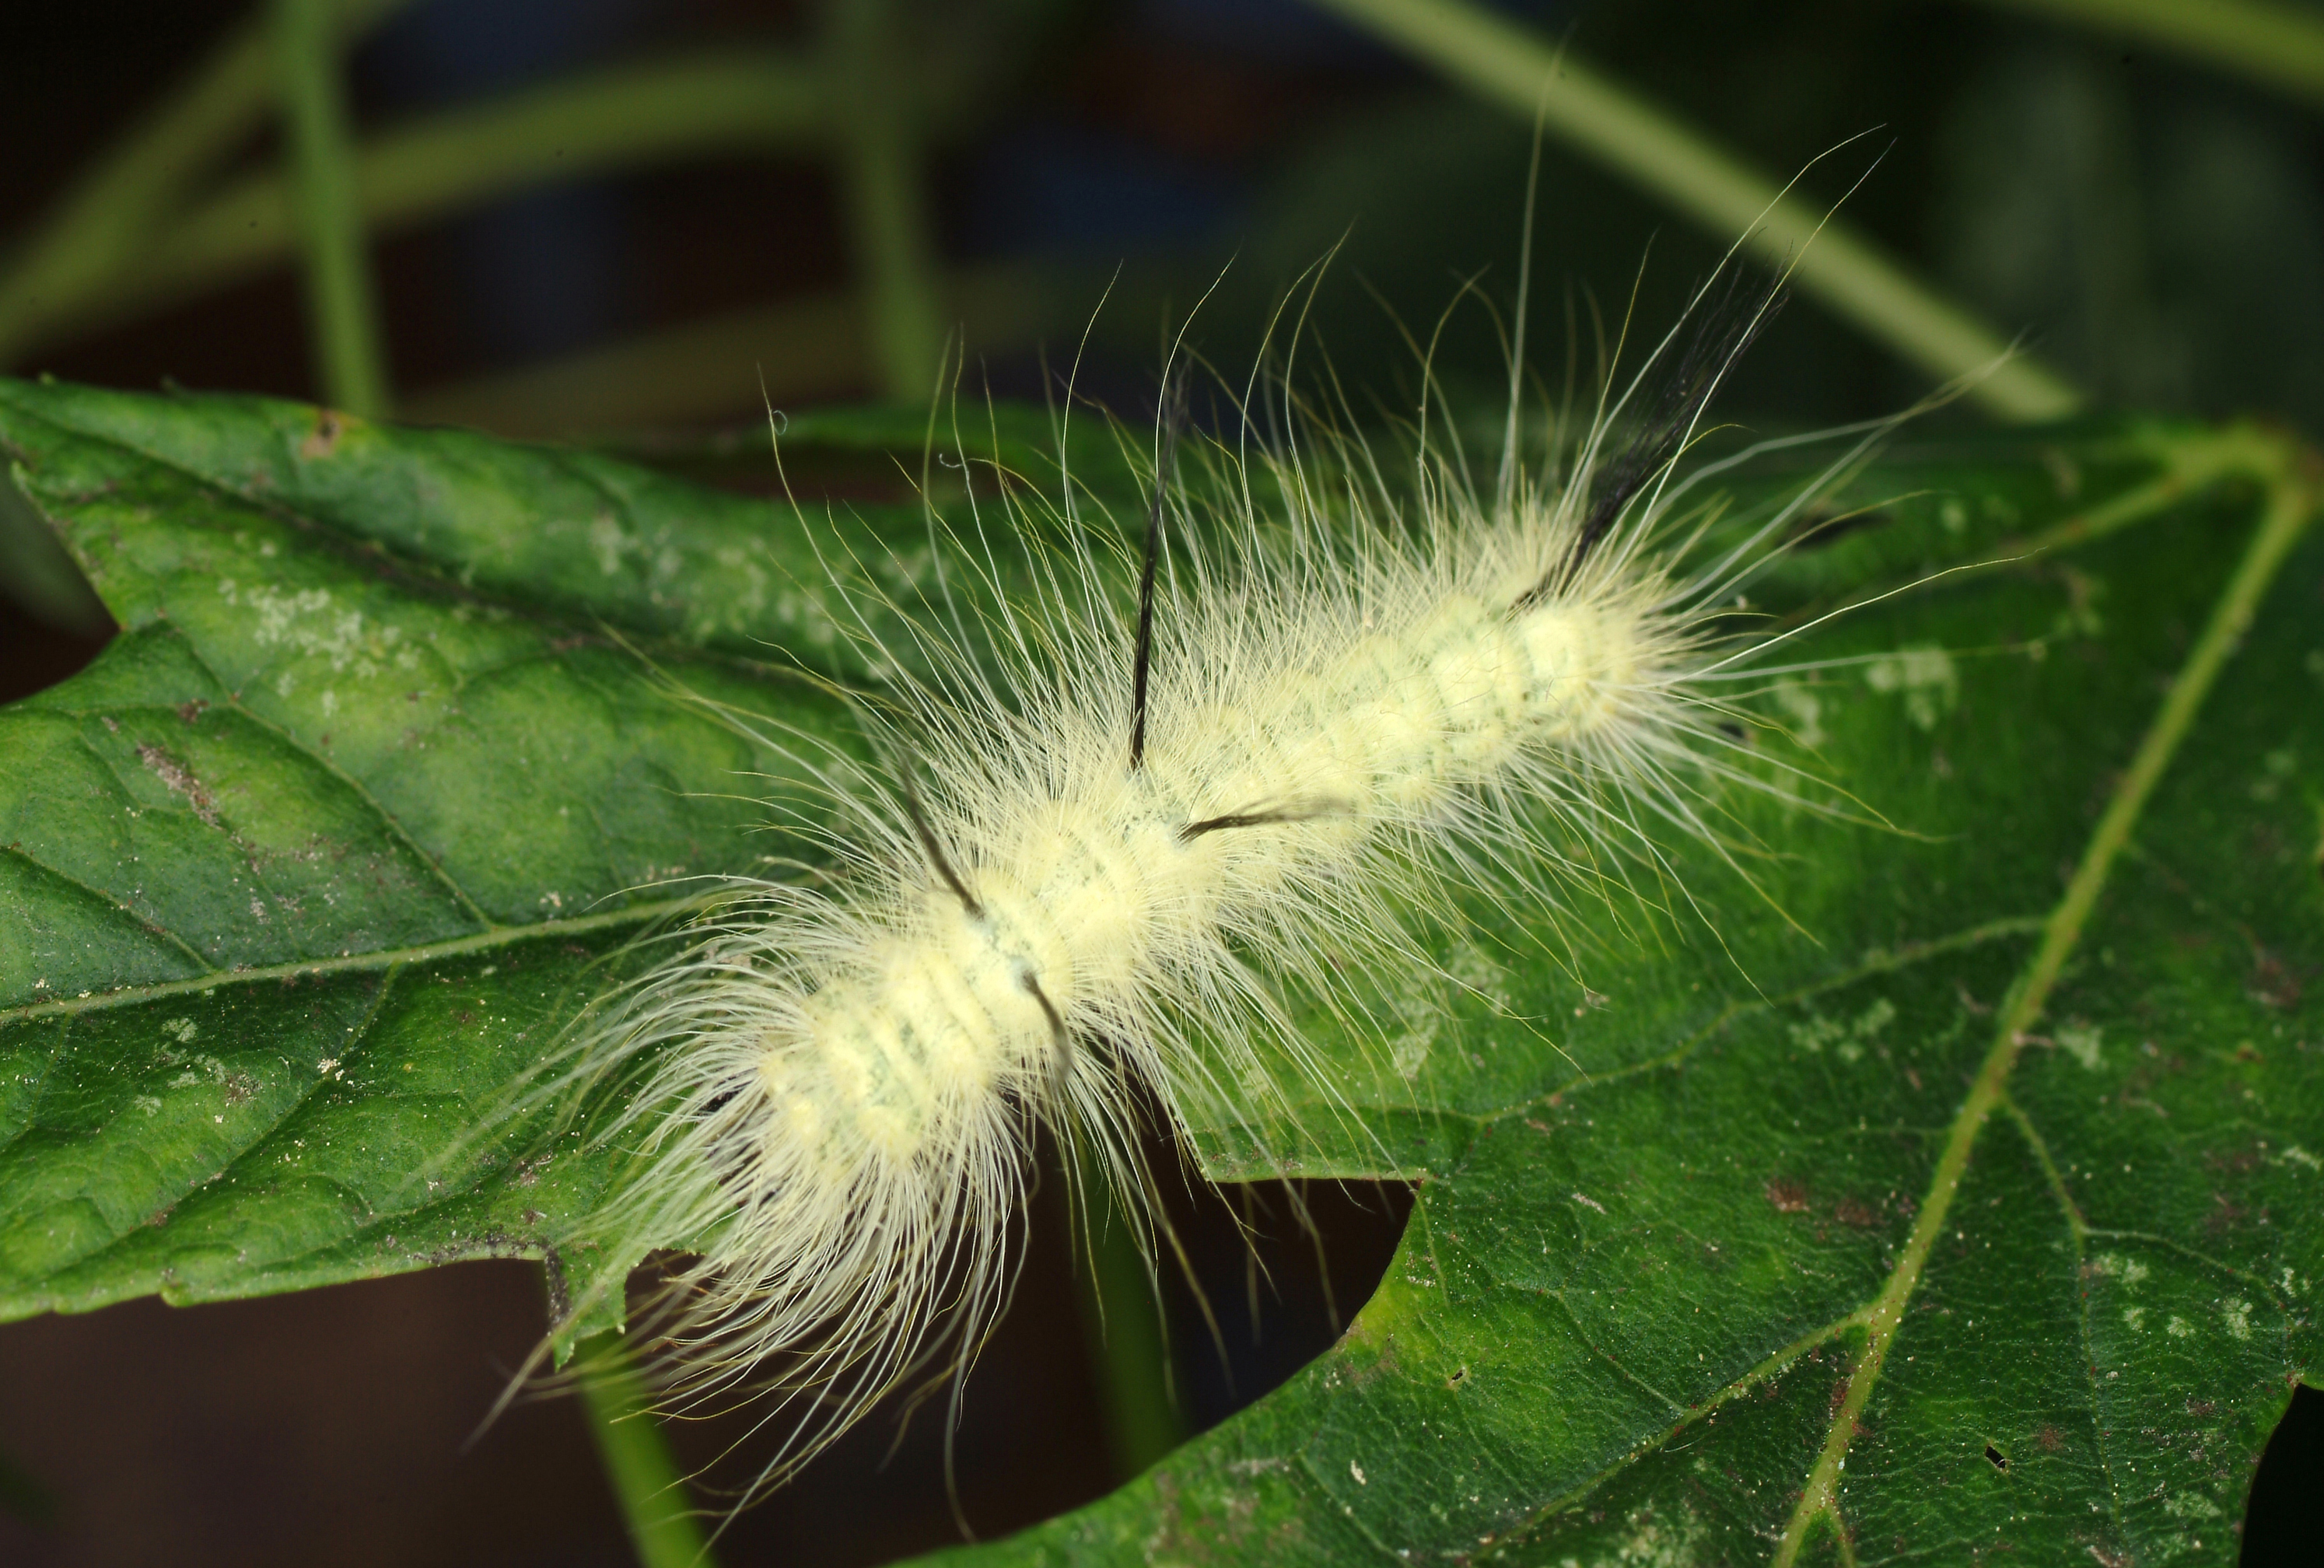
(1121, 826)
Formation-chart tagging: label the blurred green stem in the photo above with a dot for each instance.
(342, 303)
(105, 221)
(2282, 45)
(759, 101)
(101, 221)
(644, 1473)
(884, 184)
(1505, 64)
(712, 367)
(440, 164)
(1121, 1322)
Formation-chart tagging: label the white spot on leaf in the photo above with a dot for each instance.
(2237, 1317)
(1926, 678)
(2080, 1041)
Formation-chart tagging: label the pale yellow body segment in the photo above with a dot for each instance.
(1072, 909)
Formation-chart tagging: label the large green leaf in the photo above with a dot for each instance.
(307, 870)
(1958, 1192)
(1975, 1200)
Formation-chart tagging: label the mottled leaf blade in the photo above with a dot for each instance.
(1664, 1184)
(314, 790)
(1669, 1161)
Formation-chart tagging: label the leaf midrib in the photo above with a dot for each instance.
(2290, 504)
(2291, 501)
(379, 958)
(108, 902)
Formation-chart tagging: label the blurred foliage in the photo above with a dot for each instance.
(2148, 222)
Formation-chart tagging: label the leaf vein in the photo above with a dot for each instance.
(452, 947)
(99, 895)
(2288, 503)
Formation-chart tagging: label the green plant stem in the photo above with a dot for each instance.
(814, 345)
(342, 302)
(1519, 71)
(411, 174)
(2281, 45)
(884, 183)
(1122, 1325)
(644, 1474)
(105, 221)
(757, 102)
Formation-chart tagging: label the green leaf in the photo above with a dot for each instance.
(314, 861)
(1969, 1188)
(1981, 1152)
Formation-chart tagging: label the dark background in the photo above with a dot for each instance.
(2154, 228)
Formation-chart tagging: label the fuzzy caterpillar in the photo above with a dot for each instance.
(1116, 833)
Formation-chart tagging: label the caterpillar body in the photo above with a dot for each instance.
(1119, 829)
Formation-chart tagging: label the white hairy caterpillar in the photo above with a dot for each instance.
(1118, 828)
